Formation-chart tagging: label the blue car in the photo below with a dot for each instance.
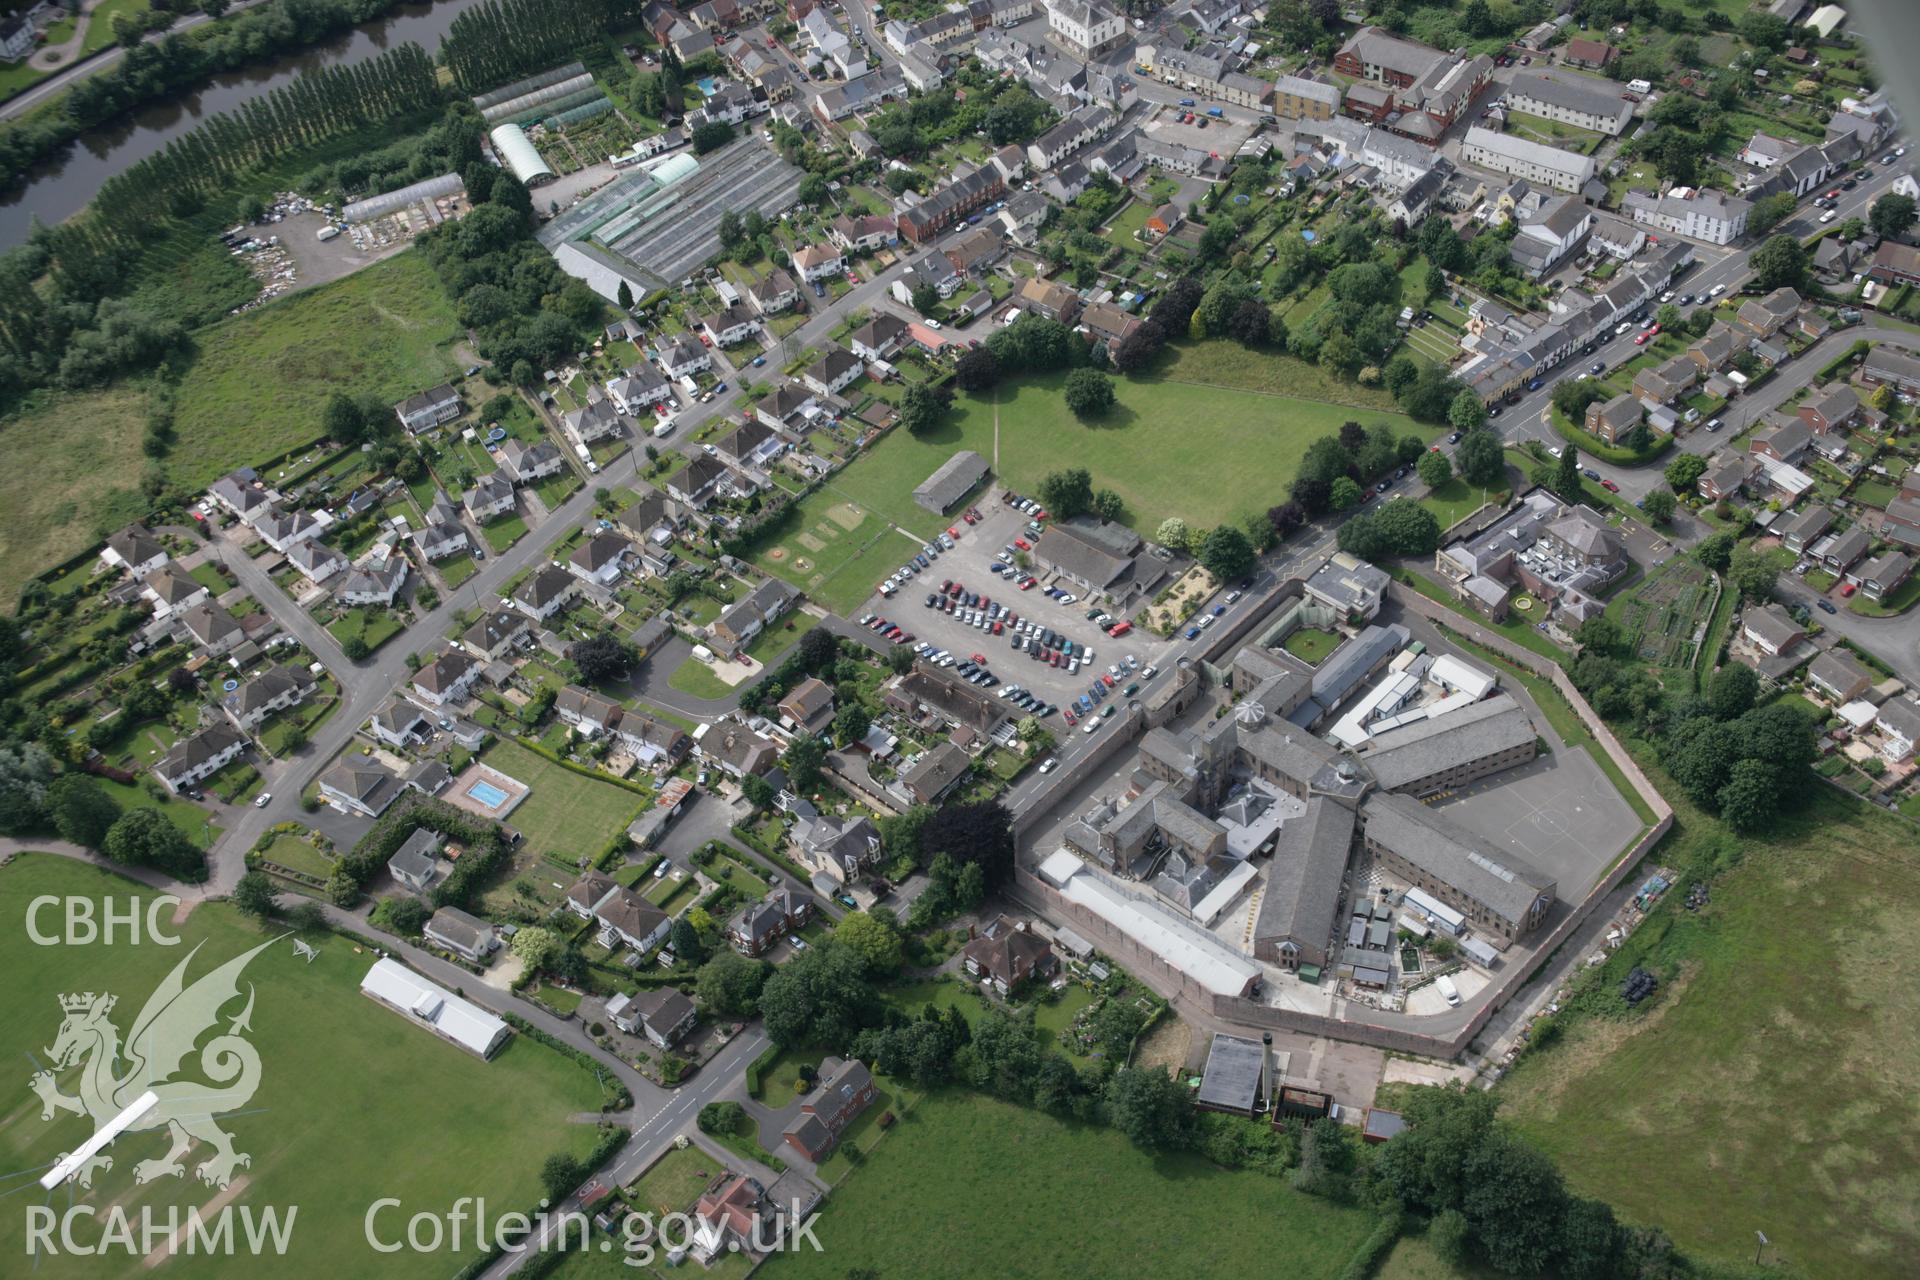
(1219, 609)
(1193, 633)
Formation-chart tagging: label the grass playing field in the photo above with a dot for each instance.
(261, 380)
(353, 1104)
(1769, 1087)
(1045, 1198)
(1204, 452)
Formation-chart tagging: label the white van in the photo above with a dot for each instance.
(1444, 985)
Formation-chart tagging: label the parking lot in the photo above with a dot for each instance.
(966, 564)
(1222, 136)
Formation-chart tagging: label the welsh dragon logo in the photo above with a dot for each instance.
(164, 1036)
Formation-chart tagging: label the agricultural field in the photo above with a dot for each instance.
(1692, 1113)
(261, 379)
(1203, 452)
(1066, 1199)
(1661, 617)
(327, 1152)
(74, 478)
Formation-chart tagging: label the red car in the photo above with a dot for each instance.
(999, 629)
(1640, 339)
(1070, 718)
(1026, 584)
(1847, 590)
(1023, 544)
(1040, 513)
(980, 658)
(1610, 486)
(1834, 194)
(1654, 332)
(1107, 681)
(973, 512)
(1121, 629)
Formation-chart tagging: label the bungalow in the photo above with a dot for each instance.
(416, 864)
(833, 372)
(627, 919)
(759, 925)
(398, 723)
(376, 582)
(273, 690)
(546, 593)
(316, 561)
(490, 498)
(428, 409)
(732, 1213)
(816, 262)
(600, 560)
(1839, 552)
(446, 680)
(467, 936)
(1161, 222)
(198, 757)
(845, 1088)
(359, 785)
(734, 324)
(746, 618)
(1006, 954)
(213, 629)
(879, 337)
(136, 550)
(1831, 409)
(495, 634)
(663, 1015)
(773, 292)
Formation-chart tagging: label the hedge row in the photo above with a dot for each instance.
(1594, 447)
(758, 1068)
(486, 846)
(533, 745)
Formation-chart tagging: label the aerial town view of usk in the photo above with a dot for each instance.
(1213, 638)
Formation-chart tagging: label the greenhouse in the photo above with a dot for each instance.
(519, 88)
(520, 156)
(447, 184)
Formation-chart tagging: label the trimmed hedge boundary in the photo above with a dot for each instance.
(757, 1069)
(1594, 447)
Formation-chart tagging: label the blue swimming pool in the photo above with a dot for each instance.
(487, 794)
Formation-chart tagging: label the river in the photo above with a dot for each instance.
(62, 188)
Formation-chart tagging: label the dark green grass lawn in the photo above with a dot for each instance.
(353, 1105)
(1704, 1113)
(963, 1178)
(564, 813)
(260, 381)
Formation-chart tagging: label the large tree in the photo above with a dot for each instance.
(1780, 263)
(1566, 476)
(1067, 493)
(1892, 215)
(1226, 554)
(1684, 472)
(144, 837)
(875, 939)
(729, 984)
(978, 833)
(603, 658)
(978, 369)
(1150, 1107)
(804, 756)
(1479, 459)
(81, 810)
(924, 407)
(1089, 393)
(1466, 412)
(1435, 469)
